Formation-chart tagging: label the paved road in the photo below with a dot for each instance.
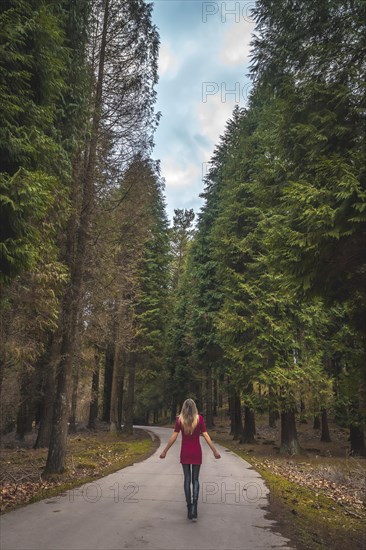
(143, 507)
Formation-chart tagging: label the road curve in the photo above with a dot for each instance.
(143, 507)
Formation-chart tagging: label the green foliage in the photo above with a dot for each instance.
(33, 162)
(152, 292)
(180, 236)
(277, 266)
(315, 66)
(27, 200)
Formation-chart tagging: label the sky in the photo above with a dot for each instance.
(203, 73)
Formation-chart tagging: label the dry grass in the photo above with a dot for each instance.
(318, 498)
(89, 456)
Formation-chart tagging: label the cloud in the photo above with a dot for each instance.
(212, 117)
(168, 62)
(180, 175)
(236, 48)
(184, 184)
(192, 55)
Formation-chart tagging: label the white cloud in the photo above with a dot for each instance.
(213, 115)
(180, 175)
(235, 49)
(183, 184)
(168, 62)
(194, 56)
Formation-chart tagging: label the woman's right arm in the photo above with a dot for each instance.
(172, 439)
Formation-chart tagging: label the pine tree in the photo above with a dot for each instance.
(314, 69)
(121, 113)
(33, 165)
(149, 305)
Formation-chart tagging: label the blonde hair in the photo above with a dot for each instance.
(189, 417)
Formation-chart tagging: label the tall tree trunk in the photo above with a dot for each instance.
(26, 409)
(173, 409)
(74, 400)
(45, 426)
(316, 424)
(115, 426)
(121, 382)
(93, 409)
(272, 412)
(75, 377)
(273, 407)
(58, 439)
(3, 338)
(173, 394)
(57, 449)
(303, 412)
(357, 436)
(248, 432)
(325, 427)
(231, 400)
(130, 401)
(289, 441)
(237, 413)
(197, 390)
(67, 327)
(209, 418)
(215, 396)
(221, 396)
(272, 417)
(108, 376)
(2, 366)
(357, 440)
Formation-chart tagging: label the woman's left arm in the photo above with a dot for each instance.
(211, 445)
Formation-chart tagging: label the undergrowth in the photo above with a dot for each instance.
(89, 457)
(311, 520)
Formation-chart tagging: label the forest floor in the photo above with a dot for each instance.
(318, 498)
(90, 455)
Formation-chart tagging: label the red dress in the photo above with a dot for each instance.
(191, 452)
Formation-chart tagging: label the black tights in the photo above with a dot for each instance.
(187, 480)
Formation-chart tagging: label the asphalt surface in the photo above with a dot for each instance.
(143, 507)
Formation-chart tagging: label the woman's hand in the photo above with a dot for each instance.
(172, 439)
(217, 454)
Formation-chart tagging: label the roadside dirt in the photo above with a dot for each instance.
(318, 498)
(90, 455)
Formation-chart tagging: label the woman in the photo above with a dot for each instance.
(190, 423)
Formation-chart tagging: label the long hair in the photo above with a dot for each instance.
(189, 416)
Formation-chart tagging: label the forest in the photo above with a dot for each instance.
(255, 305)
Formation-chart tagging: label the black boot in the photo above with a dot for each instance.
(189, 504)
(194, 508)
